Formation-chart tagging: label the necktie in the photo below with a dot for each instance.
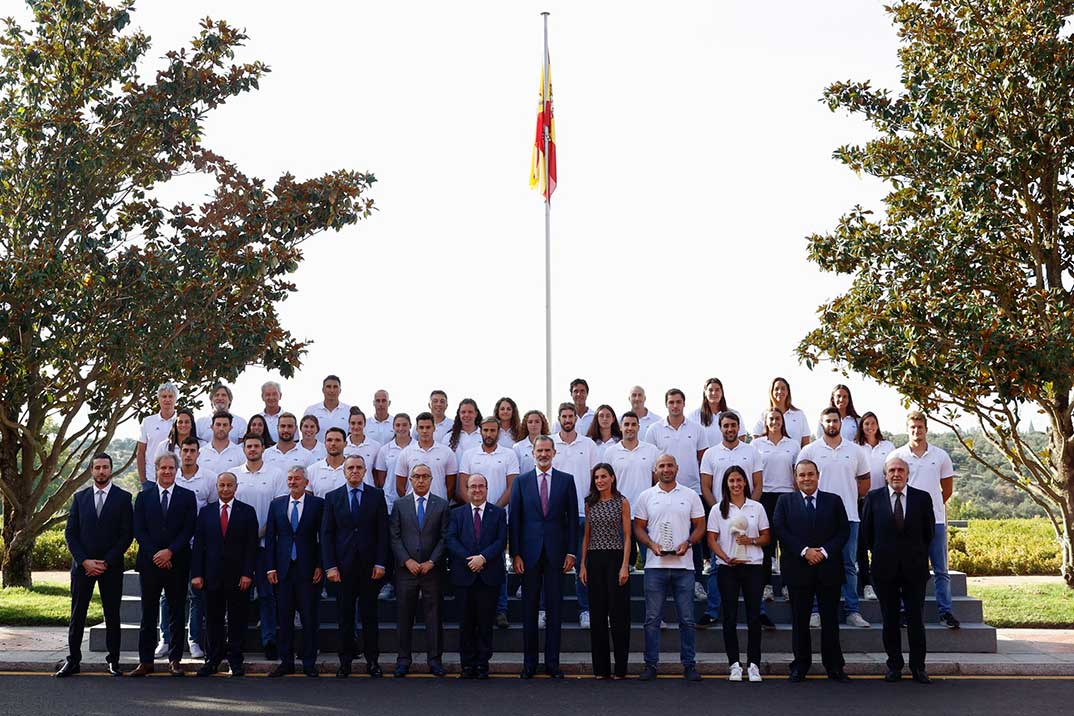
(294, 528)
(900, 516)
(477, 523)
(100, 502)
(164, 504)
(356, 500)
(223, 520)
(421, 512)
(811, 510)
(544, 493)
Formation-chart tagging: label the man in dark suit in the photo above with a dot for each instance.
(476, 539)
(225, 551)
(164, 517)
(293, 549)
(897, 525)
(812, 528)
(99, 531)
(417, 527)
(354, 552)
(544, 530)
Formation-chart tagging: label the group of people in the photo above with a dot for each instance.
(339, 503)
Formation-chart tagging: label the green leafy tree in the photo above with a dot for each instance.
(104, 289)
(962, 287)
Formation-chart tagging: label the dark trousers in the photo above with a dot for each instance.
(865, 575)
(408, 589)
(111, 586)
(542, 577)
(297, 593)
(747, 579)
(827, 598)
(608, 601)
(477, 611)
(768, 501)
(360, 587)
(226, 610)
(892, 594)
(172, 582)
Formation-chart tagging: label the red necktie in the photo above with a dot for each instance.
(223, 520)
(477, 523)
(544, 493)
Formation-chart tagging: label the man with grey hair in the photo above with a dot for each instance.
(155, 429)
(271, 392)
(220, 401)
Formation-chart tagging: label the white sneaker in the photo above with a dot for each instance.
(699, 593)
(736, 672)
(518, 592)
(706, 570)
(786, 594)
(869, 593)
(583, 620)
(540, 620)
(768, 595)
(196, 651)
(857, 620)
(387, 592)
(298, 620)
(162, 650)
(814, 621)
(754, 673)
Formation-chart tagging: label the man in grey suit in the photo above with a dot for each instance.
(417, 528)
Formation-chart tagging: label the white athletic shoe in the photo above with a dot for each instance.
(857, 620)
(768, 595)
(583, 620)
(699, 593)
(664, 624)
(540, 620)
(162, 650)
(736, 672)
(298, 620)
(754, 673)
(786, 594)
(869, 593)
(814, 621)
(196, 652)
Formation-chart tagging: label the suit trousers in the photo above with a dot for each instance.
(301, 595)
(827, 598)
(747, 579)
(359, 587)
(173, 583)
(111, 586)
(408, 588)
(542, 578)
(226, 610)
(768, 501)
(892, 593)
(608, 602)
(477, 611)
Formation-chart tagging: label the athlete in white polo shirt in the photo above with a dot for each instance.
(330, 412)
(729, 451)
(604, 431)
(220, 454)
(270, 396)
(327, 474)
(576, 455)
(309, 428)
(497, 463)
(379, 425)
(220, 400)
(794, 420)
(632, 460)
(287, 453)
(155, 429)
(425, 450)
(713, 404)
(535, 424)
(842, 400)
(358, 443)
(464, 434)
(438, 402)
(583, 415)
(511, 429)
(646, 417)
(388, 455)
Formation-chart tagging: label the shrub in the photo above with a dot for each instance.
(1004, 547)
(51, 553)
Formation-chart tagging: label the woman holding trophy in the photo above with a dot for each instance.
(737, 534)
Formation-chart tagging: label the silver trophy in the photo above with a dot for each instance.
(666, 539)
(739, 526)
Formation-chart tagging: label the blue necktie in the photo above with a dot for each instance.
(164, 504)
(356, 500)
(294, 530)
(421, 512)
(811, 510)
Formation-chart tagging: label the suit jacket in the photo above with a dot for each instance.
(350, 543)
(221, 560)
(155, 531)
(279, 537)
(410, 542)
(462, 543)
(897, 553)
(531, 532)
(106, 537)
(796, 531)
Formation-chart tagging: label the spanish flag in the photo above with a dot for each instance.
(543, 168)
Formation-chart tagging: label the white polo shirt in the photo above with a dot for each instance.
(576, 458)
(439, 429)
(926, 472)
(284, 461)
(524, 450)
(379, 431)
(650, 419)
(633, 468)
(324, 478)
(335, 418)
(368, 450)
(467, 442)
(495, 466)
(848, 429)
(713, 435)
(273, 423)
(877, 454)
(387, 456)
(778, 462)
(202, 484)
(258, 489)
(602, 447)
(683, 444)
(719, 457)
(439, 458)
(217, 462)
(581, 425)
(839, 468)
(506, 438)
(794, 420)
(318, 451)
(675, 507)
(204, 426)
(154, 430)
(756, 520)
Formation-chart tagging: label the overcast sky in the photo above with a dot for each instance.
(694, 159)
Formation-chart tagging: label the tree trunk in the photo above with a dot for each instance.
(17, 565)
(1066, 536)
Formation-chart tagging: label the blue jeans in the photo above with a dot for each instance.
(938, 557)
(580, 589)
(195, 600)
(657, 583)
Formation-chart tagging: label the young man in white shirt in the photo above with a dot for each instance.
(220, 454)
(287, 453)
(583, 416)
(646, 417)
(271, 392)
(379, 426)
(633, 461)
(844, 470)
(155, 430)
(327, 474)
(220, 402)
(442, 424)
(425, 450)
(198, 480)
(931, 470)
(730, 451)
(330, 412)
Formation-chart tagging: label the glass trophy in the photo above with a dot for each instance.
(666, 540)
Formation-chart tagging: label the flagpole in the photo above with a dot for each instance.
(547, 243)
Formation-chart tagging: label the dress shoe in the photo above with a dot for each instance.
(114, 669)
(175, 668)
(921, 676)
(208, 669)
(527, 672)
(796, 677)
(468, 672)
(401, 670)
(143, 669)
(501, 621)
(840, 675)
(344, 670)
(892, 676)
(312, 672)
(436, 669)
(373, 669)
(238, 671)
(69, 668)
(271, 652)
(483, 674)
(553, 672)
(281, 670)
(690, 674)
(648, 673)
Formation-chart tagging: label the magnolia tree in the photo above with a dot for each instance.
(104, 289)
(963, 294)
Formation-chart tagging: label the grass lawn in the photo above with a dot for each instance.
(1028, 606)
(47, 604)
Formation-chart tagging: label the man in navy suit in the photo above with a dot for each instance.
(476, 539)
(897, 525)
(225, 550)
(99, 531)
(812, 528)
(164, 517)
(354, 552)
(292, 543)
(543, 531)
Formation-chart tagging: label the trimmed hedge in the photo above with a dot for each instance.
(51, 553)
(988, 548)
